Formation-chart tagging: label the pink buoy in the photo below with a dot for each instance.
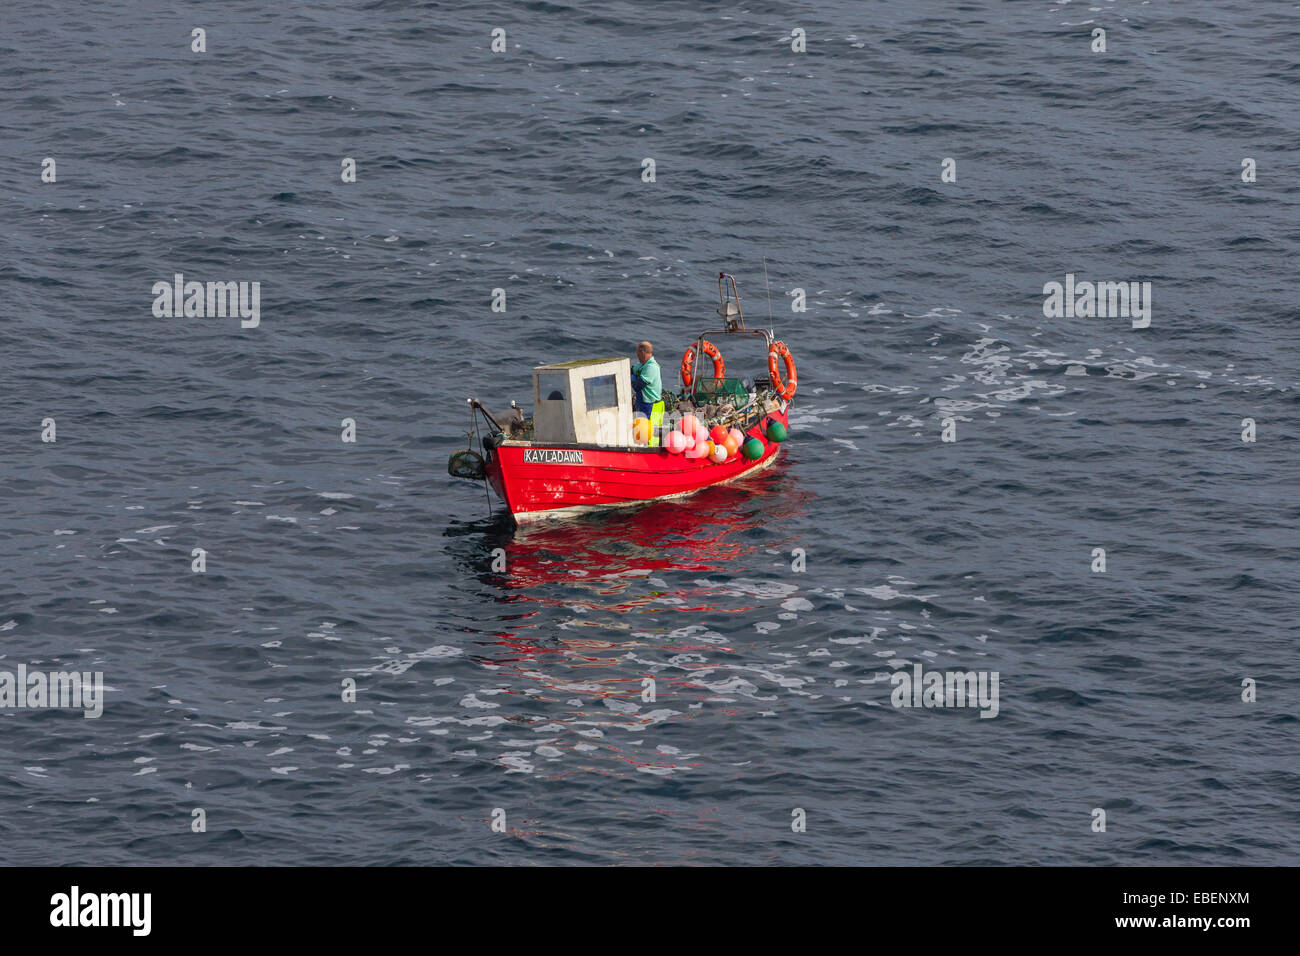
(738, 435)
(675, 442)
(688, 424)
(698, 450)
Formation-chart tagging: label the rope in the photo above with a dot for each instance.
(487, 492)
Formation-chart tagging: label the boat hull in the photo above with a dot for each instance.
(540, 482)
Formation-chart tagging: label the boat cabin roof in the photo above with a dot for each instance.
(556, 366)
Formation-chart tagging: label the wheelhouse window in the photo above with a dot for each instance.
(601, 392)
(552, 386)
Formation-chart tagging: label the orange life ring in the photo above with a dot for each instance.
(786, 390)
(688, 362)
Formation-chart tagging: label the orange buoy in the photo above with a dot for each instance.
(688, 362)
(784, 390)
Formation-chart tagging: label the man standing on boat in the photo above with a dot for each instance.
(647, 388)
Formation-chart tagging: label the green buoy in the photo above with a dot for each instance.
(775, 432)
(752, 449)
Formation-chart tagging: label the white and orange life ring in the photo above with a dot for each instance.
(688, 362)
(784, 390)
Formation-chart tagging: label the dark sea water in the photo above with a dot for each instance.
(522, 689)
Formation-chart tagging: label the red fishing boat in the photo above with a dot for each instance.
(584, 449)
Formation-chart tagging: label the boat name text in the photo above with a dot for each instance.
(552, 456)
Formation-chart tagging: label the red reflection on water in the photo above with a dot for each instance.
(606, 553)
(579, 565)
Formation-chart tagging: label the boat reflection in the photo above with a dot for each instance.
(599, 628)
(592, 572)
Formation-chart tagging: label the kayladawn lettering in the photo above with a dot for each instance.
(552, 456)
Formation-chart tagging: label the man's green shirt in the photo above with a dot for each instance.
(651, 382)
